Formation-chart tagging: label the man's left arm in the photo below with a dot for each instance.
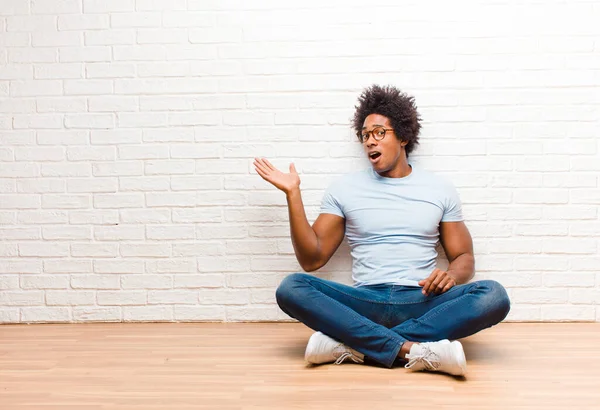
(458, 245)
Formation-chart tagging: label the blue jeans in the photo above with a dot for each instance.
(376, 320)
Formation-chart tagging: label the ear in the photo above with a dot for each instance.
(403, 143)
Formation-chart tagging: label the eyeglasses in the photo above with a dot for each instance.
(377, 132)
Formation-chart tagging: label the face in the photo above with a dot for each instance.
(385, 155)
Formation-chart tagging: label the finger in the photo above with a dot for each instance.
(293, 168)
(440, 286)
(261, 168)
(449, 286)
(269, 165)
(440, 276)
(427, 288)
(262, 174)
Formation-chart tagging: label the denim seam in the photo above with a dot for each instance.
(449, 304)
(354, 297)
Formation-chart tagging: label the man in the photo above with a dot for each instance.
(401, 306)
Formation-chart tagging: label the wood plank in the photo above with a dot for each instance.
(255, 366)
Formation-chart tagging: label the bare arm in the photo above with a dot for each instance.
(458, 245)
(314, 245)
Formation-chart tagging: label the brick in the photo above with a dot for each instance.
(70, 298)
(60, 105)
(167, 232)
(66, 233)
(224, 296)
(109, 70)
(148, 313)
(56, 6)
(94, 250)
(53, 39)
(117, 168)
(145, 250)
(9, 315)
(122, 298)
(196, 215)
(174, 199)
(9, 282)
(206, 280)
(200, 313)
(567, 313)
(146, 282)
(21, 265)
(83, 22)
(67, 266)
(195, 249)
(95, 217)
(169, 167)
(39, 154)
(144, 184)
(94, 281)
(146, 216)
(119, 200)
(52, 201)
(35, 88)
(50, 121)
(173, 265)
(112, 104)
(89, 87)
(19, 233)
(169, 135)
(58, 71)
(108, 6)
(118, 266)
(179, 297)
(91, 153)
(32, 55)
(96, 314)
(118, 233)
(103, 137)
(45, 314)
(44, 281)
(35, 249)
(145, 151)
(19, 201)
(21, 298)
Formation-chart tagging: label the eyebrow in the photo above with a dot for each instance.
(374, 125)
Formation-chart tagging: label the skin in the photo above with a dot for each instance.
(315, 245)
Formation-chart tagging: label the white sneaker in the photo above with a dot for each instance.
(323, 349)
(443, 356)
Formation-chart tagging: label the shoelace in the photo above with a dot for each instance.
(345, 354)
(429, 359)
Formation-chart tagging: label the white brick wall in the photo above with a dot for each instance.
(128, 128)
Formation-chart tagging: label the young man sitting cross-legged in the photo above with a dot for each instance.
(401, 306)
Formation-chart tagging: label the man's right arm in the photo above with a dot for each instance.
(314, 245)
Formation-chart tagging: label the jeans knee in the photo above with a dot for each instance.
(496, 298)
(286, 291)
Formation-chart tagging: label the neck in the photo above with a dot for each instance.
(401, 170)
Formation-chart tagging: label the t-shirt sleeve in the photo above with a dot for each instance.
(452, 206)
(330, 204)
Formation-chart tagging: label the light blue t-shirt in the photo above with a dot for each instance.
(392, 224)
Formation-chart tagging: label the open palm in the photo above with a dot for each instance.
(282, 181)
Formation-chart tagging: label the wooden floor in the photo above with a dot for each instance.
(260, 366)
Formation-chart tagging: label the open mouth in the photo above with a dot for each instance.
(374, 156)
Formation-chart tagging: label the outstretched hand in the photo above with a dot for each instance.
(285, 182)
(438, 282)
